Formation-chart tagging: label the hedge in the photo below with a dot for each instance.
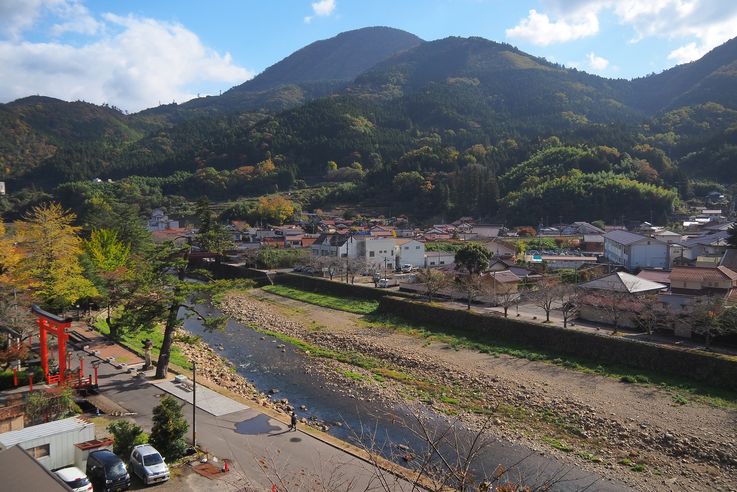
(6, 378)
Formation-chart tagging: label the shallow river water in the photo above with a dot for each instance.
(387, 426)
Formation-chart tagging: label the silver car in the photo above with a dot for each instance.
(148, 464)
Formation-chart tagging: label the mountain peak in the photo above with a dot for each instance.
(340, 58)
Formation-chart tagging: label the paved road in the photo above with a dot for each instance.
(262, 450)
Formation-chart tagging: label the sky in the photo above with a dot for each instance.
(135, 54)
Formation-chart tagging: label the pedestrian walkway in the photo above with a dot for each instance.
(207, 400)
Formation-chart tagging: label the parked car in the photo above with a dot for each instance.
(107, 472)
(75, 479)
(148, 464)
(406, 268)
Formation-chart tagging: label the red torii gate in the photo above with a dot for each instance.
(57, 325)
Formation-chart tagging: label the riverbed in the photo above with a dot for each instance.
(282, 371)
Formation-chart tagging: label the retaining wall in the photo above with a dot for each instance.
(714, 369)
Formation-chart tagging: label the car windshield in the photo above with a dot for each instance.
(152, 459)
(116, 470)
(77, 482)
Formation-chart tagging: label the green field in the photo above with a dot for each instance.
(351, 305)
(135, 339)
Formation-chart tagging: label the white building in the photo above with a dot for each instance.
(410, 252)
(159, 221)
(53, 443)
(634, 250)
(378, 252)
(439, 258)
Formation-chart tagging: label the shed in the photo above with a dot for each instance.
(52, 444)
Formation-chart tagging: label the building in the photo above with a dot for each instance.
(331, 245)
(12, 418)
(21, 473)
(51, 444)
(635, 251)
(410, 252)
(624, 282)
(659, 276)
(695, 280)
(159, 221)
(498, 283)
(379, 252)
(500, 248)
(709, 245)
(593, 243)
(439, 258)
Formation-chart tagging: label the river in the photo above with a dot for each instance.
(257, 358)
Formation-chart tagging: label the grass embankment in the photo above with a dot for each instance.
(351, 305)
(681, 389)
(135, 339)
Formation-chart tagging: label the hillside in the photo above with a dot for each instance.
(453, 126)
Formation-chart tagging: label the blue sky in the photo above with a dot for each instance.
(138, 53)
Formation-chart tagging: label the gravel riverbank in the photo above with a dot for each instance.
(536, 404)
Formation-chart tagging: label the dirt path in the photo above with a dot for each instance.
(597, 422)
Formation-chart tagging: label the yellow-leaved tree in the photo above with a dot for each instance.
(275, 209)
(50, 249)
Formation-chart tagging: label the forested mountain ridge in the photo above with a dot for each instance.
(319, 69)
(457, 125)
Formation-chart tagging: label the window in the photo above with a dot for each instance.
(417, 247)
(39, 451)
(406, 247)
(371, 254)
(442, 262)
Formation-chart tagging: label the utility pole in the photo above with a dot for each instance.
(194, 405)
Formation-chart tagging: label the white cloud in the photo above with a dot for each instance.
(702, 24)
(321, 8)
(539, 29)
(134, 65)
(75, 17)
(596, 63)
(18, 15)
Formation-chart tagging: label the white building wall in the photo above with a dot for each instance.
(412, 252)
(654, 255)
(61, 446)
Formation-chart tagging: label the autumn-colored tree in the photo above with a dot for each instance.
(276, 209)
(51, 248)
(109, 257)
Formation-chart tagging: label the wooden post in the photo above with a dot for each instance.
(15, 376)
(30, 382)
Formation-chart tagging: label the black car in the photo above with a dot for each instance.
(107, 472)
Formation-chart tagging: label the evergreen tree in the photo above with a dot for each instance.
(167, 434)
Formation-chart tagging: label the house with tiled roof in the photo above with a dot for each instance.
(695, 280)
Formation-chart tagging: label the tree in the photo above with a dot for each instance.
(708, 318)
(569, 297)
(167, 434)
(545, 295)
(109, 257)
(51, 404)
(127, 435)
(471, 285)
(276, 209)
(472, 258)
(434, 281)
(212, 236)
(651, 313)
(506, 299)
(51, 249)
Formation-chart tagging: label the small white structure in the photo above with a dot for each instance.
(439, 258)
(410, 252)
(52, 444)
(159, 221)
(2, 187)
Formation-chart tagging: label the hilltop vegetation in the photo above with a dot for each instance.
(455, 126)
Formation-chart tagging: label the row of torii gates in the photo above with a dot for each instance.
(51, 324)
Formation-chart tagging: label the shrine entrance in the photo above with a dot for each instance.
(49, 323)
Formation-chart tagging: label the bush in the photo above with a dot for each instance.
(167, 434)
(6, 377)
(127, 435)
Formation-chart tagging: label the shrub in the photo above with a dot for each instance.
(127, 435)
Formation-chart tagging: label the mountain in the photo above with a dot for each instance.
(445, 118)
(711, 78)
(318, 69)
(338, 59)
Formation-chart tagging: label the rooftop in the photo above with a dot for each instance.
(624, 282)
(624, 237)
